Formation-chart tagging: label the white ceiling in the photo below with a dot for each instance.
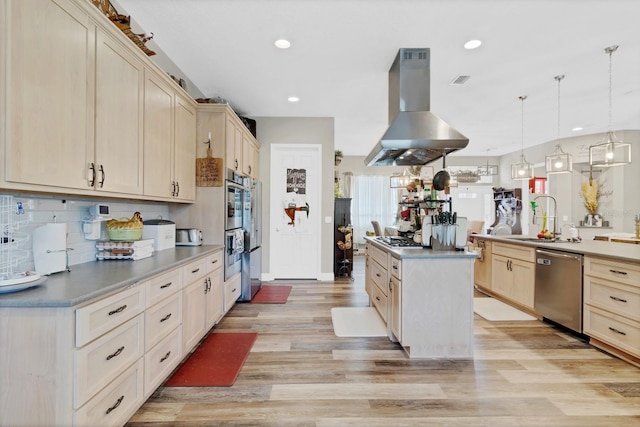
(342, 50)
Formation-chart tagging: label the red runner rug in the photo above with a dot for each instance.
(272, 295)
(216, 363)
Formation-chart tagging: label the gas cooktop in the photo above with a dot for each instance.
(398, 242)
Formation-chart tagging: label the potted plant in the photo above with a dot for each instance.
(338, 157)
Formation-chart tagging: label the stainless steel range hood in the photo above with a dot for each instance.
(415, 135)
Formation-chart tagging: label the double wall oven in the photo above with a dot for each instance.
(234, 234)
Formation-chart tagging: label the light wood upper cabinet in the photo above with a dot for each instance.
(249, 156)
(49, 68)
(118, 122)
(233, 139)
(98, 118)
(184, 168)
(158, 140)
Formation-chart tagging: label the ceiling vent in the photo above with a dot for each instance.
(460, 80)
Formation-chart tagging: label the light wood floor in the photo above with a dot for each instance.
(299, 373)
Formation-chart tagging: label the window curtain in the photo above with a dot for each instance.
(372, 200)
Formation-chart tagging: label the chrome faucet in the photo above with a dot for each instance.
(555, 213)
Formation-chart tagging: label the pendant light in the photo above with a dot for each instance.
(611, 152)
(524, 169)
(559, 161)
(488, 170)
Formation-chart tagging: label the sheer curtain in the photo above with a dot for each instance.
(372, 200)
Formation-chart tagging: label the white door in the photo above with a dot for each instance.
(295, 211)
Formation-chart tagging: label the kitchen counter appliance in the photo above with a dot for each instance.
(558, 288)
(188, 237)
(162, 231)
(398, 242)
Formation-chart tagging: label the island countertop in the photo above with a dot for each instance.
(94, 279)
(420, 253)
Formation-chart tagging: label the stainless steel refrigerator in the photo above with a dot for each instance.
(252, 225)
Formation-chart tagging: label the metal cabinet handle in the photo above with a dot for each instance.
(378, 275)
(624, 273)
(173, 188)
(118, 402)
(117, 353)
(236, 163)
(378, 298)
(103, 176)
(249, 169)
(166, 356)
(395, 267)
(118, 310)
(166, 285)
(617, 331)
(195, 271)
(92, 168)
(165, 318)
(177, 188)
(617, 299)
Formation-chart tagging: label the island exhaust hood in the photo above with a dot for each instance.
(415, 135)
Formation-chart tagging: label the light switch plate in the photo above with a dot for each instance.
(327, 220)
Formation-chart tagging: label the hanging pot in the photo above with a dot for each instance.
(442, 179)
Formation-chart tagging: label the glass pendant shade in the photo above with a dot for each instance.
(610, 153)
(558, 162)
(522, 170)
(401, 181)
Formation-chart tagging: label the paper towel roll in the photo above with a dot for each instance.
(50, 248)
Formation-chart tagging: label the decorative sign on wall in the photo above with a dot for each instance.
(297, 181)
(209, 171)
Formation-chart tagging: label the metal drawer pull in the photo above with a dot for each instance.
(117, 353)
(617, 331)
(234, 289)
(118, 402)
(103, 176)
(118, 310)
(167, 317)
(395, 267)
(378, 298)
(617, 299)
(214, 261)
(624, 273)
(195, 271)
(378, 275)
(166, 356)
(166, 285)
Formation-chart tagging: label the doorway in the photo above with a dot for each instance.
(295, 207)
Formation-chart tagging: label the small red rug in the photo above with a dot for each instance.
(272, 295)
(216, 363)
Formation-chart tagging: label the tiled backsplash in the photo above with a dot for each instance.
(39, 210)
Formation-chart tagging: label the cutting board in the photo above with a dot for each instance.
(209, 171)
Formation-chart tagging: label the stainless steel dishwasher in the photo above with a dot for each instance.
(558, 288)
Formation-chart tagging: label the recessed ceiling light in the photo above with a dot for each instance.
(472, 44)
(293, 99)
(576, 129)
(283, 44)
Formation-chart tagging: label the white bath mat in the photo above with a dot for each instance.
(357, 322)
(492, 309)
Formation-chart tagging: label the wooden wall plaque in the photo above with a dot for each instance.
(209, 171)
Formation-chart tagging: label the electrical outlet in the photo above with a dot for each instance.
(327, 220)
(565, 217)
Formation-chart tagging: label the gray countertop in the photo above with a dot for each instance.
(94, 279)
(615, 250)
(421, 253)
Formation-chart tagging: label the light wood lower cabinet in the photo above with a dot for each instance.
(395, 297)
(377, 279)
(482, 266)
(513, 273)
(612, 305)
(96, 363)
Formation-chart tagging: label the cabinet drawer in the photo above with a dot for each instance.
(379, 276)
(379, 302)
(114, 405)
(160, 361)
(396, 268)
(161, 319)
(231, 292)
(620, 271)
(100, 362)
(618, 298)
(378, 255)
(160, 287)
(614, 330)
(101, 316)
(214, 261)
(193, 271)
(514, 251)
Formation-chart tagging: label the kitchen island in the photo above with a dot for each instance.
(425, 297)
